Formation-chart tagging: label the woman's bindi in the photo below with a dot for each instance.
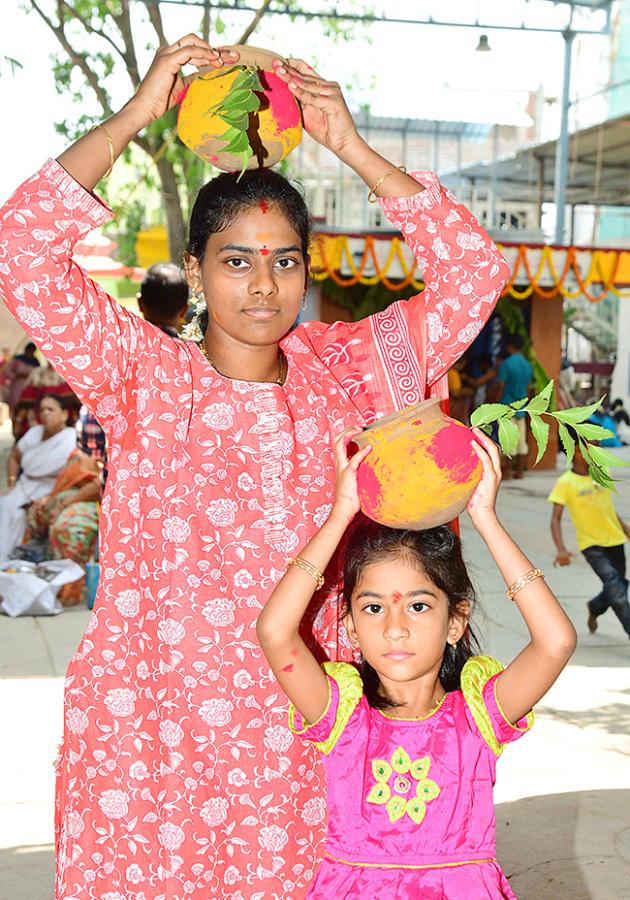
(264, 206)
(264, 251)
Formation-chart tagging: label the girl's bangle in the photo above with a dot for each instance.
(312, 570)
(372, 198)
(522, 582)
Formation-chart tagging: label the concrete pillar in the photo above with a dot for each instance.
(620, 386)
(545, 329)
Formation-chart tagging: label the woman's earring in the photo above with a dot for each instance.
(304, 299)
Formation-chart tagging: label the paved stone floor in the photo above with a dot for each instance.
(563, 791)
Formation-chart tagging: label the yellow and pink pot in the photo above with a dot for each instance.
(422, 469)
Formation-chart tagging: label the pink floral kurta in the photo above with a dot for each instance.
(178, 777)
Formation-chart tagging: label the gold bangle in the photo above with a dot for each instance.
(522, 582)
(312, 570)
(110, 144)
(372, 198)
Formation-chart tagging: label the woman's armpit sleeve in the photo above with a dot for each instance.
(90, 339)
(463, 270)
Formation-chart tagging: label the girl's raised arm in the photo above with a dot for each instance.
(300, 675)
(552, 635)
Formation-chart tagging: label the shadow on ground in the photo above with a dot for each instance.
(572, 846)
(27, 873)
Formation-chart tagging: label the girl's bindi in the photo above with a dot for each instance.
(396, 596)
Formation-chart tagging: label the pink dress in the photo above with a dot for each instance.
(410, 811)
(178, 778)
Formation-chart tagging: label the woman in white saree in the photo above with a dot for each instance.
(40, 455)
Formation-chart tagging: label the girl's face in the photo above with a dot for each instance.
(401, 622)
(253, 277)
(52, 415)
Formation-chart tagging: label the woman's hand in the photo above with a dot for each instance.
(163, 84)
(481, 506)
(326, 117)
(346, 504)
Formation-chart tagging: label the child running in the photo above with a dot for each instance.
(601, 535)
(410, 739)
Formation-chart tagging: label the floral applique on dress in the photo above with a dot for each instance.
(405, 773)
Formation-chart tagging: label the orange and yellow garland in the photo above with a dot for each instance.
(607, 269)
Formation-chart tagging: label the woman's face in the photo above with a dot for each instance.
(253, 277)
(52, 415)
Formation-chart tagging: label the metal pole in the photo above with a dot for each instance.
(562, 147)
(492, 215)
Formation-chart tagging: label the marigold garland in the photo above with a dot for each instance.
(333, 252)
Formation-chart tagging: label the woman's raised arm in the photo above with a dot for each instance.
(92, 156)
(463, 271)
(90, 339)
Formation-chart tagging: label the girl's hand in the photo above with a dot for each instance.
(326, 117)
(346, 504)
(481, 506)
(163, 84)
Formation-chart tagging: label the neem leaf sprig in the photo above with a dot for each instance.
(599, 459)
(235, 108)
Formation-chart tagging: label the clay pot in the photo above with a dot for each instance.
(274, 129)
(421, 471)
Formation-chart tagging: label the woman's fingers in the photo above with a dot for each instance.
(302, 66)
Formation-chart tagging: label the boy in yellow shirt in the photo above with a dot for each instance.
(601, 536)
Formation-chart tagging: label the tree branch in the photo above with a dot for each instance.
(62, 4)
(77, 59)
(205, 23)
(155, 17)
(253, 25)
(124, 24)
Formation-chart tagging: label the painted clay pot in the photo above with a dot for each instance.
(422, 469)
(273, 130)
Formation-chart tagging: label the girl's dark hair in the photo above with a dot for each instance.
(227, 196)
(435, 551)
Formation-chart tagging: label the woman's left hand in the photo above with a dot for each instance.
(326, 117)
(482, 505)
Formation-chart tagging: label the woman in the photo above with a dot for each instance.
(15, 374)
(33, 465)
(178, 777)
(40, 383)
(67, 519)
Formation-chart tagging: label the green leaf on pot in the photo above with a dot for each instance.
(567, 442)
(508, 436)
(490, 412)
(540, 403)
(540, 430)
(593, 432)
(577, 414)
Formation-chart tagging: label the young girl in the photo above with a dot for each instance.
(410, 741)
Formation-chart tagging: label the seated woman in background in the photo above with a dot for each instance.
(67, 518)
(33, 465)
(42, 382)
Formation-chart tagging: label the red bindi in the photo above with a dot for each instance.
(264, 206)
(264, 251)
(396, 596)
